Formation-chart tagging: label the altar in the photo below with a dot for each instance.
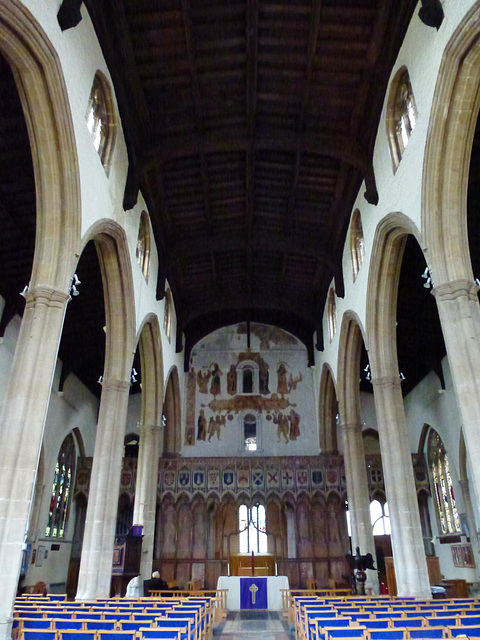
(253, 592)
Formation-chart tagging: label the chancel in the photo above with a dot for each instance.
(239, 314)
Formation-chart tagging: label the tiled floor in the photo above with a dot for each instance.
(265, 625)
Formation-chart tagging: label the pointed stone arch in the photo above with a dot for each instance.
(327, 411)
(451, 129)
(382, 290)
(41, 86)
(172, 438)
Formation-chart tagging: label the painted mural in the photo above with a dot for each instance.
(249, 399)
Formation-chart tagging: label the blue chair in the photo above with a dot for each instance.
(388, 634)
(70, 634)
(470, 632)
(343, 632)
(100, 625)
(68, 624)
(116, 635)
(37, 634)
(163, 634)
(426, 634)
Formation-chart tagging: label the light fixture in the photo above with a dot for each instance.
(427, 275)
(477, 282)
(24, 292)
(401, 376)
(368, 373)
(100, 380)
(74, 282)
(133, 375)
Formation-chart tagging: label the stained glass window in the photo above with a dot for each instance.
(61, 489)
(401, 115)
(100, 118)
(441, 480)
(252, 529)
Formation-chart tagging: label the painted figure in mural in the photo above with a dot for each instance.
(292, 382)
(294, 425)
(282, 426)
(232, 381)
(263, 378)
(215, 386)
(202, 426)
(282, 386)
(202, 381)
(214, 426)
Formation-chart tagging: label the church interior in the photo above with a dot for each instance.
(239, 314)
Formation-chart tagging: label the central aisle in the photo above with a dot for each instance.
(266, 625)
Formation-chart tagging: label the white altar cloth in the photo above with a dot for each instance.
(274, 596)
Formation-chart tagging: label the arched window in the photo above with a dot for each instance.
(167, 315)
(100, 119)
(61, 489)
(332, 314)
(247, 382)
(143, 244)
(442, 488)
(401, 115)
(252, 529)
(379, 518)
(250, 432)
(357, 247)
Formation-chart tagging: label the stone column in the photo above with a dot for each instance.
(146, 492)
(459, 313)
(99, 537)
(22, 422)
(358, 496)
(407, 540)
(467, 503)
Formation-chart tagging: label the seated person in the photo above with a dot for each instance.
(156, 583)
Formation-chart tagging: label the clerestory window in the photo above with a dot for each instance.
(100, 119)
(401, 115)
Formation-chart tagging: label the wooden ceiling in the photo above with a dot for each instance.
(250, 127)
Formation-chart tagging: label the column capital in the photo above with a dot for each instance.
(350, 426)
(148, 428)
(115, 385)
(41, 294)
(386, 381)
(462, 288)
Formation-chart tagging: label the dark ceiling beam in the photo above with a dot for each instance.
(113, 32)
(184, 249)
(69, 14)
(199, 116)
(431, 13)
(340, 148)
(251, 93)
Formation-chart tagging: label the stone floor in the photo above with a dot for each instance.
(265, 625)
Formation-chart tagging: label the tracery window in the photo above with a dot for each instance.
(252, 528)
(167, 315)
(401, 115)
(61, 489)
(250, 432)
(379, 518)
(100, 118)
(143, 244)
(332, 314)
(357, 246)
(442, 486)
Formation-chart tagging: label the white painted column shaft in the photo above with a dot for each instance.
(459, 313)
(146, 492)
(407, 540)
(358, 496)
(99, 537)
(22, 424)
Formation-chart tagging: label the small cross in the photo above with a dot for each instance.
(253, 590)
